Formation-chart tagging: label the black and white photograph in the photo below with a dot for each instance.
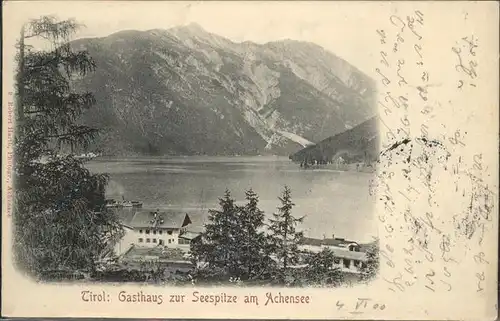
(232, 159)
(180, 155)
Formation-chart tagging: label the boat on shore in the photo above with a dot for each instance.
(111, 203)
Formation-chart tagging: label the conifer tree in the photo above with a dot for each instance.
(250, 239)
(60, 220)
(217, 247)
(284, 237)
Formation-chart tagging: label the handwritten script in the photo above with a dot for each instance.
(432, 193)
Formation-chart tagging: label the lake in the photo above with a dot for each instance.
(334, 202)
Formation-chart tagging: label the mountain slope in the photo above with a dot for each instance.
(187, 91)
(358, 144)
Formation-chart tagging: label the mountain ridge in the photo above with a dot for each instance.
(187, 91)
(359, 144)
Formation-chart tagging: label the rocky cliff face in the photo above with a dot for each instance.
(187, 91)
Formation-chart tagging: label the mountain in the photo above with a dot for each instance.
(187, 91)
(358, 144)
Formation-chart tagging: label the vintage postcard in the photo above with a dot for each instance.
(250, 160)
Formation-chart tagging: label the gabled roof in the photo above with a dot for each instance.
(169, 219)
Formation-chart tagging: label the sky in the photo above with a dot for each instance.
(346, 28)
(340, 27)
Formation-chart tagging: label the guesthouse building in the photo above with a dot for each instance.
(149, 229)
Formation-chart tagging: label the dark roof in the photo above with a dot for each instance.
(169, 219)
(331, 242)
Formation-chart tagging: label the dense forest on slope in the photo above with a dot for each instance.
(356, 145)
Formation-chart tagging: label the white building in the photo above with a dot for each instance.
(151, 229)
(349, 256)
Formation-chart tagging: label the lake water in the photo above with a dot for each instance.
(334, 202)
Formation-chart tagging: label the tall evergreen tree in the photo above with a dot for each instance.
(59, 215)
(250, 239)
(284, 237)
(218, 248)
